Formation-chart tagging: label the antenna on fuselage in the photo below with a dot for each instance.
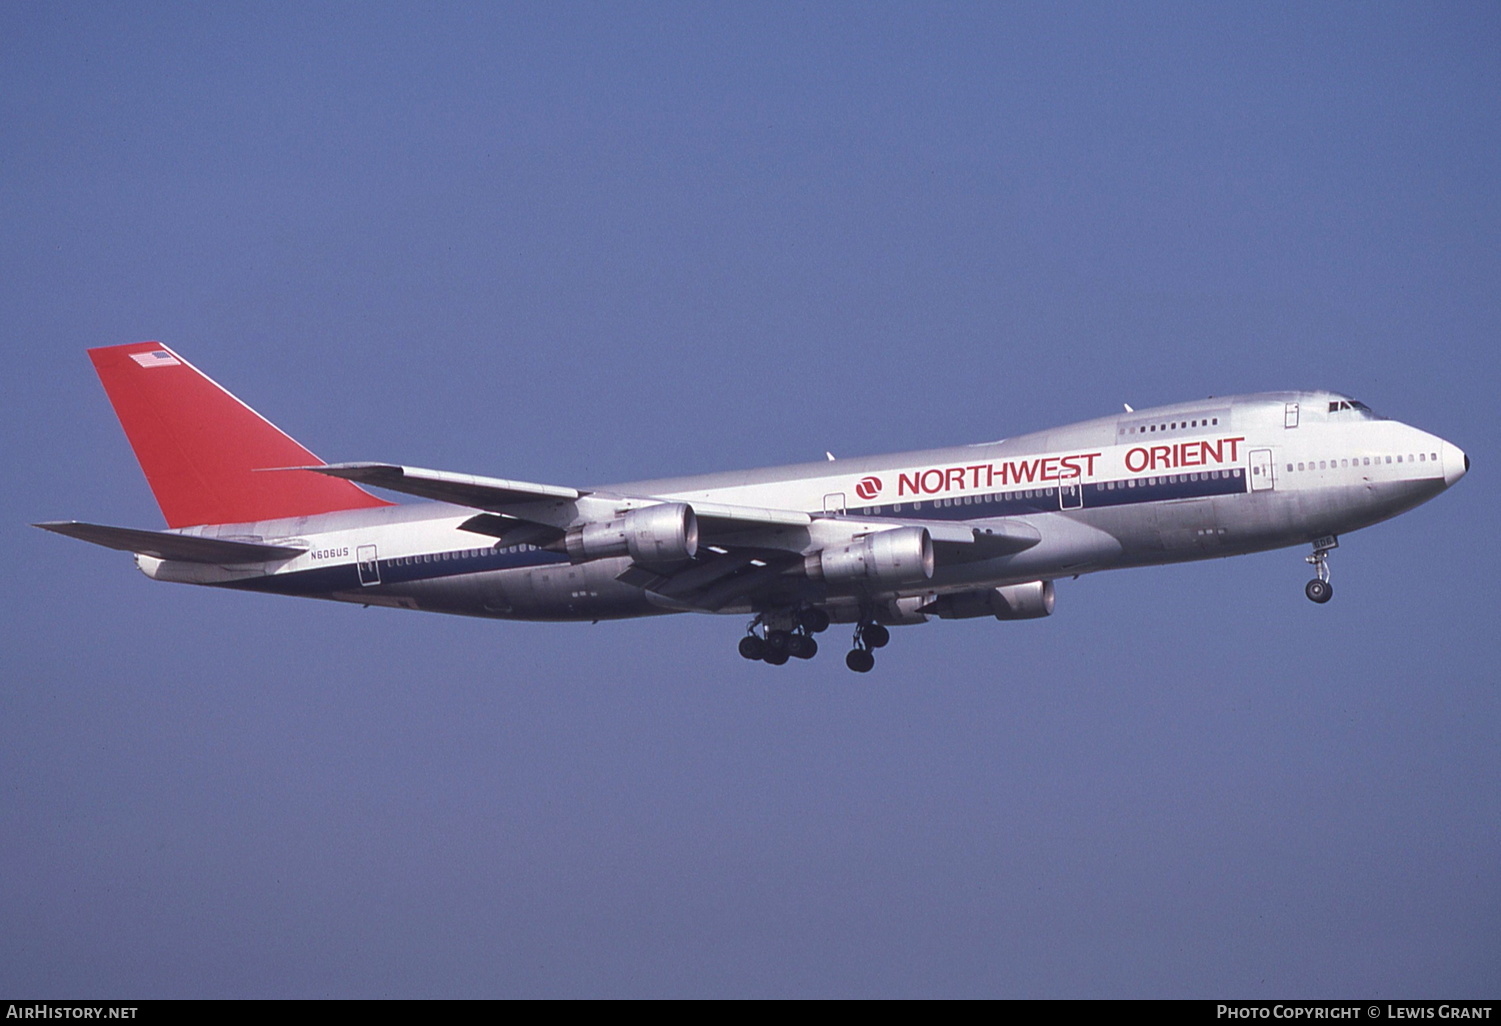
(1128, 407)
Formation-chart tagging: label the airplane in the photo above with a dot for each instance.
(879, 541)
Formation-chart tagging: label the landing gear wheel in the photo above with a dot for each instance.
(800, 646)
(776, 636)
(875, 636)
(778, 647)
(814, 620)
(860, 660)
(1319, 589)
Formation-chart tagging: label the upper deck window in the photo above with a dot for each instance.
(1204, 419)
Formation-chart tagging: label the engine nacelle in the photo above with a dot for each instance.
(666, 533)
(1012, 602)
(903, 555)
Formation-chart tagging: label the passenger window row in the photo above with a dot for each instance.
(443, 557)
(1360, 461)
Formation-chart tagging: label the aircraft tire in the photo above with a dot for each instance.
(776, 656)
(801, 646)
(752, 647)
(860, 660)
(815, 619)
(875, 635)
(1318, 591)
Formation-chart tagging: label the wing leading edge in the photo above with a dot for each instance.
(523, 500)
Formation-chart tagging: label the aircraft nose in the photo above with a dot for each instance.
(1456, 464)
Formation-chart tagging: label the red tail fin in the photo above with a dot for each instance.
(201, 447)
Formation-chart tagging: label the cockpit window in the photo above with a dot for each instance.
(1354, 406)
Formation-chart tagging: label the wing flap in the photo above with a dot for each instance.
(511, 530)
(710, 585)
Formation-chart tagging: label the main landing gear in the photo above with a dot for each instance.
(784, 636)
(776, 637)
(1319, 589)
(868, 636)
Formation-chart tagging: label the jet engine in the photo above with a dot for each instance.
(1012, 602)
(665, 533)
(900, 556)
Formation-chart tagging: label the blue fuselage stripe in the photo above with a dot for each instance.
(401, 570)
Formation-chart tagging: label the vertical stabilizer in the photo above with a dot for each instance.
(201, 448)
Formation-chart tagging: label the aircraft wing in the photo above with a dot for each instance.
(516, 502)
(524, 501)
(721, 575)
(166, 545)
(745, 550)
(491, 493)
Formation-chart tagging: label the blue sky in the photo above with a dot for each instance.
(581, 243)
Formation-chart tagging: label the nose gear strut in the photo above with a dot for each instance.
(1319, 589)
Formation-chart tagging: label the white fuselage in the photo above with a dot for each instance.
(1190, 481)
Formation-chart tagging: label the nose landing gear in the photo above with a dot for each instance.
(1319, 589)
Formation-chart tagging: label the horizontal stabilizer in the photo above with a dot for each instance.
(165, 545)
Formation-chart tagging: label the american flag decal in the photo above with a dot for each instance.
(156, 358)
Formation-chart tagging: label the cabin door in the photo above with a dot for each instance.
(1070, 490)
(368, 566)
(1261, 470)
